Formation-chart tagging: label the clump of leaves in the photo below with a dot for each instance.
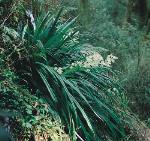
(80, 97)
(89, 101)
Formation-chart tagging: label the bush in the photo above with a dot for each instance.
(44, 55)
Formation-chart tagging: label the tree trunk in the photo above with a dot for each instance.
(130, 5)
(84, 11)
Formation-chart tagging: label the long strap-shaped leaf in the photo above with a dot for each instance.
(71, 98)
(50, 90)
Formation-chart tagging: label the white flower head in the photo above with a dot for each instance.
(59, 70)
(110, 59)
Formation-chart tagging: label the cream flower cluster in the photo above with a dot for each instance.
(92, 59)
(59, 70)
(95, 59)
(109, 60)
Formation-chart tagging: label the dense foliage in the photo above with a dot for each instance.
(59, 79)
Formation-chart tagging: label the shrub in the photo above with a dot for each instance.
(86, 100)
